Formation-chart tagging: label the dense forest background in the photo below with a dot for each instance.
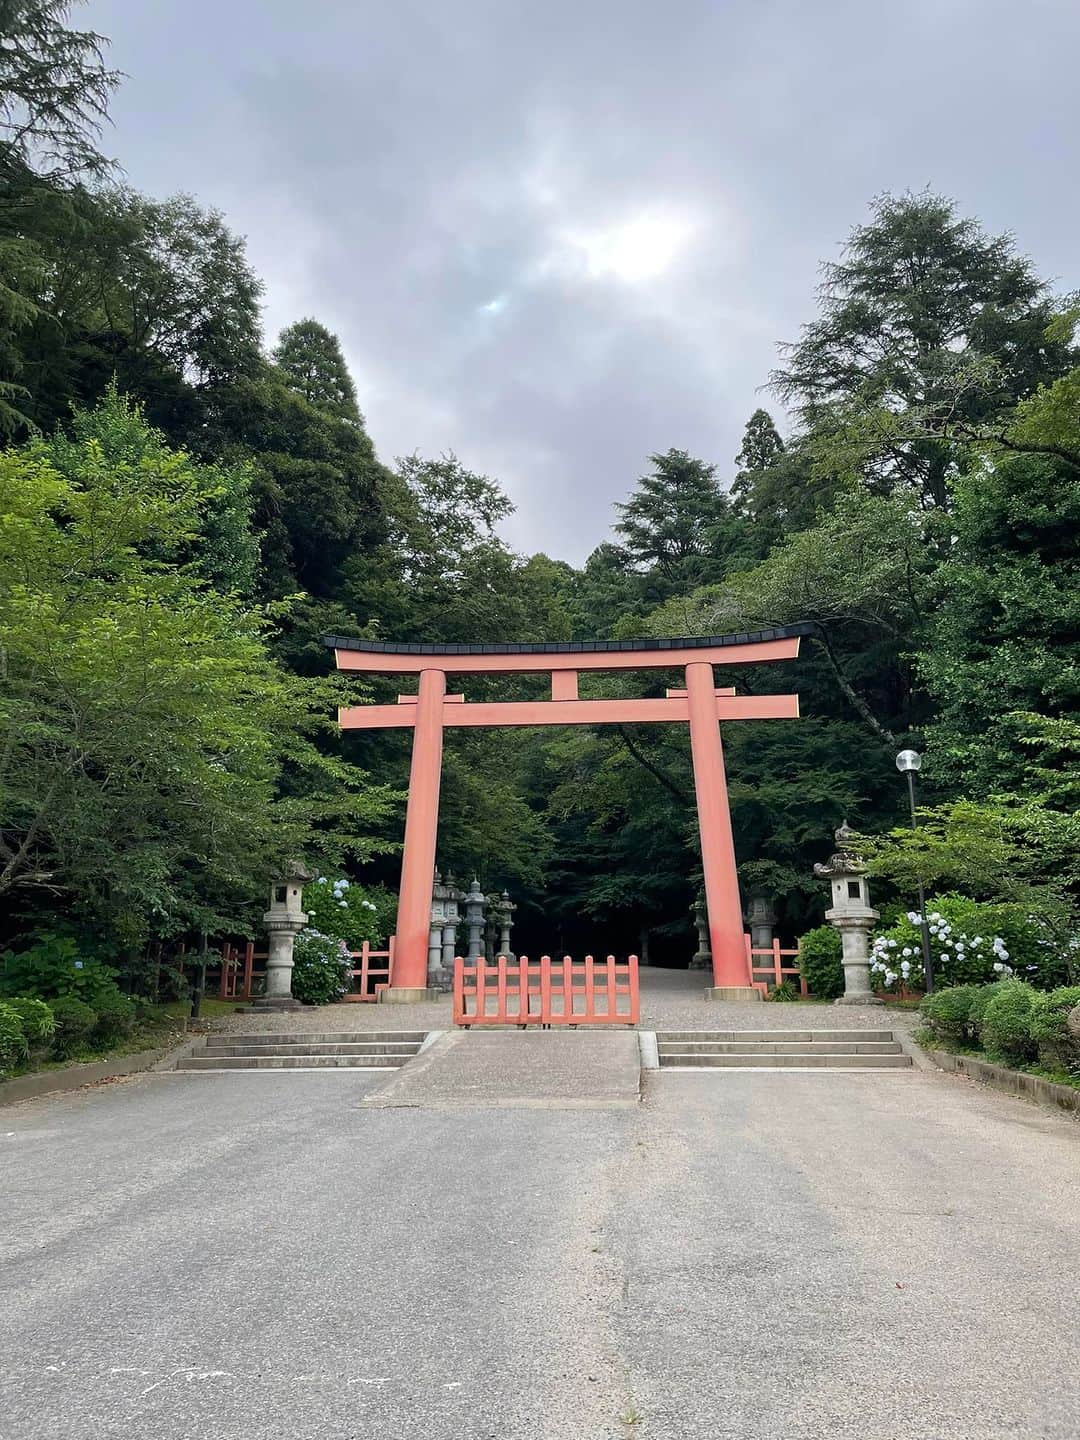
(186, 507)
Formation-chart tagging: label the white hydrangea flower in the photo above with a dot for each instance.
(998, 966)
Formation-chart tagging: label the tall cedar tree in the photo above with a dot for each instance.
(54, 93)
(677, 527)
(920, 299)
(310, 359)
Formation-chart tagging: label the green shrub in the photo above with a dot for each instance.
(37, 1019)
(321, 966)
(783, 993)
(820, 952)
(13, 1047)
(981, 999)
(1058, 1048)
(1006, 1023)
(53, 966)
(115, 1018)
(74, 1022)
(948, 1012)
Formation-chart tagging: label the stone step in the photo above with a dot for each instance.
(317, 1037)
(781, 1047)
(292, 1062)
(817, 1059)
(374, 1047)
(813, 1037)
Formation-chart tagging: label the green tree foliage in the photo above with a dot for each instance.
(54, 92)
(158, 295)
(54, 88)
(1005, 637)
(310, 360)
(919, 298)
(147, 736)
(676, 528)
(317, 482)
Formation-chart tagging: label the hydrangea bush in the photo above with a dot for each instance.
(967, 947)
(343, 910)
(321, 968)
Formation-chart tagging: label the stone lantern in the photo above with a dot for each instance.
(474, 920)
(852, 915)
(451, 920)
(505, 913)
(283, 921)
(439, 895)
(702, 957)
(760, 920)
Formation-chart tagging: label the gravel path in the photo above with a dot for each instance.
(670, 1000)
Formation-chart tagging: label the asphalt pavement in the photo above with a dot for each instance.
(747, 1254)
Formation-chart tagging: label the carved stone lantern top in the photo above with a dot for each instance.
(845, 859)
(286, 909)
(847, 875)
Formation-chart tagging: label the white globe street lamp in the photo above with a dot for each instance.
(909, 763)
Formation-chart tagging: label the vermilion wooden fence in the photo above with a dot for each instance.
(775, 968)
(546, 992)
(238, 970)
(369, 979)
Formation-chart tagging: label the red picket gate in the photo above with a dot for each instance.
(369, 979)
(546, 992)
(775, 969)
(238, 970)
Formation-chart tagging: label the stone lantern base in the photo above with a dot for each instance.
(268, 1004)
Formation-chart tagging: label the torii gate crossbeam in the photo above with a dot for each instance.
(700, 706)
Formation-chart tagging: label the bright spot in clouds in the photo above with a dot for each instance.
(636, 250)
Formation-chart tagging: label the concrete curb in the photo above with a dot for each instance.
(1013, 1082)
(648, 1050)
(74, 1077)
(919, 1058)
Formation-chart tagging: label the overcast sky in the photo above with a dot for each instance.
(556, 236)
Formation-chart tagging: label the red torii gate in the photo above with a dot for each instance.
(700, 705)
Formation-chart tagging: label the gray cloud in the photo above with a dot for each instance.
(556, 237)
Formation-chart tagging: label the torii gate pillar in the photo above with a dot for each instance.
(722, 900)
(421, 834)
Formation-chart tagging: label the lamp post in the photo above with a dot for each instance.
(909, 763)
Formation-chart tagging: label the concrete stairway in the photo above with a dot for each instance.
(296, 1050)
(780, 1050)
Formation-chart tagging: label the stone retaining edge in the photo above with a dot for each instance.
(1013, 1082)
(74, 1077)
